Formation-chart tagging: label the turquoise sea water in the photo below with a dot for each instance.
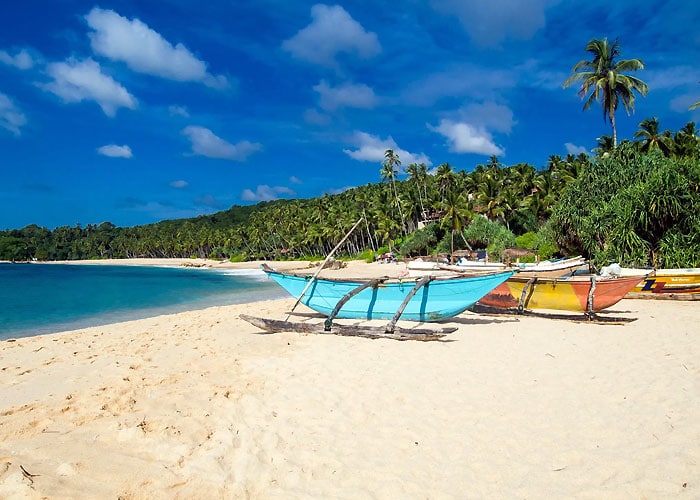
(46, 298)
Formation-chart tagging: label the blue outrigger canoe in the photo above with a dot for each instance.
(425, 299)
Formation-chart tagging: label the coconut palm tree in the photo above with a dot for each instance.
(605, 145)
(686, 141)
(457, 214)
(390, 169)
(445, 177)
(417, 174)
(604, 79)
(651, 138)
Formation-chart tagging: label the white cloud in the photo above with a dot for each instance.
(21, 60)
(332, 30)
(347, 95)
(75, 81)
(294, 180)
(178, 111)
(145, 50)
(574, 149)
(179, 184)
(11, 118)
(206, 143)
(489, 23)
(490, 115)
(266, 193)
(372, 148)
(465, 138)
(114, 151)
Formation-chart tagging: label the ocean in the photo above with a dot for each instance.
(45, 298)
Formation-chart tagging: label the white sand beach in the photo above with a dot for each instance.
(202, 405)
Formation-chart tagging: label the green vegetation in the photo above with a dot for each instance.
(637, 203)
(634, 208)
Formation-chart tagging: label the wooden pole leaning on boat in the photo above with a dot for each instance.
(522, 303)
(329, 320)
(323, 264)
(590, 306)
(420, 283)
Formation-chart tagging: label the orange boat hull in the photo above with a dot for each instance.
(568, 294)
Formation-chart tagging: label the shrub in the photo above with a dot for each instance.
(490, 234)
(420, 242)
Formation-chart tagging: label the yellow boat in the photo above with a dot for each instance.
(681, 283)
(588, 294)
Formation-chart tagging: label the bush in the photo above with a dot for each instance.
(367, 256)
(238, 258)
(527, 240)
(494, 236)
(545, 246)
(633, 208)
(420, 242)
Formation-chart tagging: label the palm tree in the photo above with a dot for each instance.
(445, 178)
(390, 169)
(418, 173)
(651, 138)
(457, 214)
(605, 145)
(686, 141)
(604, 77)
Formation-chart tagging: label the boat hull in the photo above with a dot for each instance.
(668, 282)
(568, 294)
(439, 299)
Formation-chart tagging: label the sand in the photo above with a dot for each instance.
(202, 405)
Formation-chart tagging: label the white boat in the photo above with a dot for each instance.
(549, 268)
(556, 268)
(420, 267)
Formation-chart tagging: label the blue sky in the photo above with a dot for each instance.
(133, 112)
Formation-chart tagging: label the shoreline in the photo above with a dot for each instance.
(201, 403)
(351, 268)
(358, 269)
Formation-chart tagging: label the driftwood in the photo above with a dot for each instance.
(372, 332)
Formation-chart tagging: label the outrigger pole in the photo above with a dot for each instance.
(323, 264)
